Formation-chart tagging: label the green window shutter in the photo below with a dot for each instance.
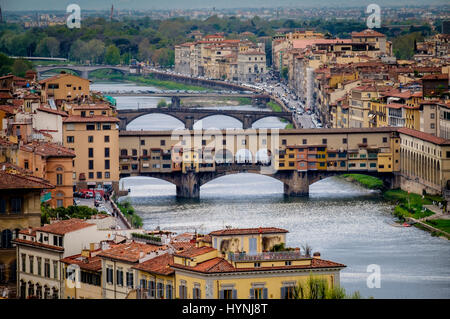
(265, 293)
(234, 294)
(283, 293)
(252, 293)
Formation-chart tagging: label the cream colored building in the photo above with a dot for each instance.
(64, 87)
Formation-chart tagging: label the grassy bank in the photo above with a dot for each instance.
(129, 213)
(240, 100)
(365, 180)
(407, 204)
(275, 106)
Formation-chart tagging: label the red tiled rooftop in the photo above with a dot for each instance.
(159, 265)
(435, 77)
(87, 263)
(424, 136)
(49, 110)
(36, 243)
(20, 181)
(65, 226)
(367, 33)
(248, 231)
(90, 119)
(131, 252)
(194, 251)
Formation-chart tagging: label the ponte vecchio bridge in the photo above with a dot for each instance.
(296, 157)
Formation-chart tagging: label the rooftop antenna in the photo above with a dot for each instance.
(112, 12)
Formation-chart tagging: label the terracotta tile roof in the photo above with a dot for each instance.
(5, 95)
(205, 239)
(18, 181)
(36, 243)
(64, 226)
(424, 136)
(58, 76)
(248, 231)
(220, 265)
(184, 237)
(91, 107)
(159, 265)
(182, 245)
(367, 33)
(252, 52)
(8, 109)
(87, 263)
(194, 251)
(435, 77)
(49, 110)
(131, 252)
(90, 119)
(51, 150)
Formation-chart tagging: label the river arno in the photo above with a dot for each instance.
(345, 222)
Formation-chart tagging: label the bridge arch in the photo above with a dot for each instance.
(130, 120)
(243, 155)
(224, 156)
(274, 115)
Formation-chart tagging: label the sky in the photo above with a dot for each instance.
(14, 5)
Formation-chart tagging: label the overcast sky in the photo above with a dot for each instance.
(12, 5)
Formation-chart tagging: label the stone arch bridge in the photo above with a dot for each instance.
(82, 70)
(296, 183)
(189, 115)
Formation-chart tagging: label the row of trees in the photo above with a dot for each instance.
(15, 66)
(113, 42)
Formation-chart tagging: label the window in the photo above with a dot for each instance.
(324, 141)
(344, 141)
(183, 291)
(107, 127)
(163, 142)
(384, 139)
(288, 263)
(432, 125)
(432, 116)
(160, 291)
(70, 139)
(70, 127)
(109, 275)
(91, 164)
(107, 175)
(283, 142)
(258, 293)
(39, 265)
(106, 165)
(59, 179)
(228, 294)
(99, 174)
(151, 289)
(129, 279)
(287, 292)
(16, 205)
(134, 152)
(106, 151)
(3, 203)
(90, 152)
(106, 138)
(47, 268)
(364, 140)
(119, 277)
(169, 291)
(55, 269)
(90, 127)
(99, 126)
(91, 175)
(90, 139)
(257, 265)
(24, 264)
(305, 141)
(196, 293)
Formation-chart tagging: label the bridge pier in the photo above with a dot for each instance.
(296, 184)
(85, 74)
(248, 121)
(189, 186)
(189, 122)
(176, 102)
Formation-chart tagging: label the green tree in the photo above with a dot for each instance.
(145, 50)
(284, 72)
(20, 67)
(162, 103)
(112, 55)
(48, 46)
(5, 64)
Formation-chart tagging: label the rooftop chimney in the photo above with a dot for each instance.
(316, 255)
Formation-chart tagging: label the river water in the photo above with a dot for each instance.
(343, 221)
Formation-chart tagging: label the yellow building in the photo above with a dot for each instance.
(64, 87)
(20, 208)
(206, 273)
(91, 131)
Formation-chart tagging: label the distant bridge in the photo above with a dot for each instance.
(189, 116)
(38, 58)
(82, 70)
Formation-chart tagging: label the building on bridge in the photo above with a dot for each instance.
(296, 157)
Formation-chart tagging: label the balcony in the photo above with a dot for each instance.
(281, 255)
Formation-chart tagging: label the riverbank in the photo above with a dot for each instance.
(128, 211)
(148, 80)
(275, 107)
(409, 206)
